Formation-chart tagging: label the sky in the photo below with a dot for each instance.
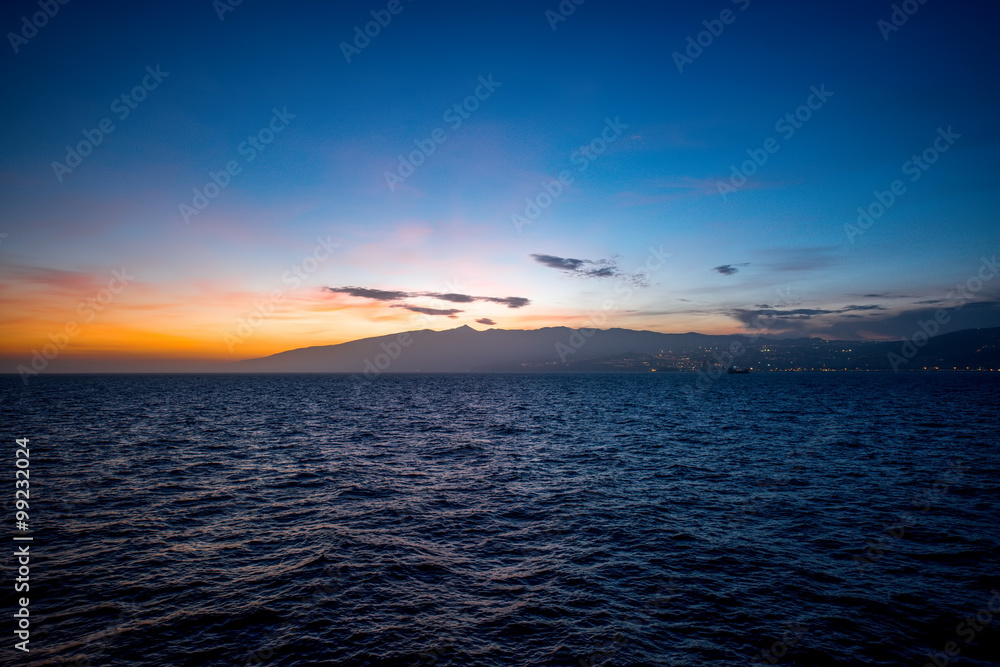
(208, 181)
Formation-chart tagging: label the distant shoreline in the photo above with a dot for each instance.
(552, 372)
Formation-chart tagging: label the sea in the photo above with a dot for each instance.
(506, 520)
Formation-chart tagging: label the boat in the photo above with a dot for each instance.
(736, 370)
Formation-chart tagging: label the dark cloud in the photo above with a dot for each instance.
(847, 324)
(767, 314)
(728, 269)
(453, 298)
(485, 320)
(883, 295)
(509, 301)
(394, 295)
(448, 312)
(365, 293)
(562, 263)
(801, 312)
(584, 268)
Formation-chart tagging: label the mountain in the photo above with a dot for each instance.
(465, 349)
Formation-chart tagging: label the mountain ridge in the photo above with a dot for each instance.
(465, 349)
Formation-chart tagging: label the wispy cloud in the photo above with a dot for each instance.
(485, 320)
(729, 269)
(748, 316)
(509, 301)
(447, 312)
(802, 259)
(866, 321)
(376, 294)
(398, 295)
(584, 268)
(452, 297)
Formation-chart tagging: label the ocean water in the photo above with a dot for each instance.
(514, 520)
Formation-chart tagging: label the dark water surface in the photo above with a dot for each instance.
(507, 519)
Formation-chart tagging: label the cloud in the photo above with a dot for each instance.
(559, 262)
(802, 259)
(448, 312)
(509, 301)
(485, 320)
(584, 268)
(377, 294)
(58, 280)
(395, 295)
(751, 318)
(453, 298)
(874, 321)
(728, 269)
(747, 316)
(884, 295)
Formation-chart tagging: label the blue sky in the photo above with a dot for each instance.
(777, 245)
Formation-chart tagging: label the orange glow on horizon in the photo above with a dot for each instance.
(214, 322)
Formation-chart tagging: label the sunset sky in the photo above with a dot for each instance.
(310, 232)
